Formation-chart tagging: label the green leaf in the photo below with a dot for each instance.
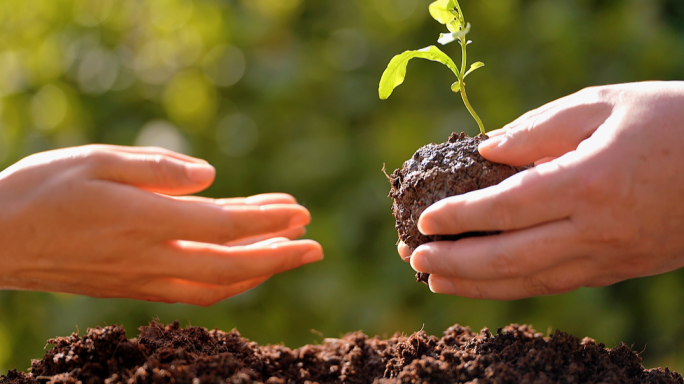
(444, 11)
(446, 38)
(454, 26)
(473, 67)
(396, 69)
(456, 87)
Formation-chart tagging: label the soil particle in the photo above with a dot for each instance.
(435, 172)
(169, 354)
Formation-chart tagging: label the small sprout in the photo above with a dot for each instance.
(447, 12)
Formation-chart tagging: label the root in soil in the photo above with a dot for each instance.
(435, 172)
(194, 355)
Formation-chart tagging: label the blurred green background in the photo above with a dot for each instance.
(281, 95)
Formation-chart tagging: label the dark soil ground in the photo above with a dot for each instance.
(437, 171)
(169, 354)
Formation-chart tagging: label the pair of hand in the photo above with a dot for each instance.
(103, 221)
(604, 203)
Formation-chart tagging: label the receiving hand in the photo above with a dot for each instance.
(98, 220)
(605, 202)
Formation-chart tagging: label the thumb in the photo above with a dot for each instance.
(548, 132)
(154, 172)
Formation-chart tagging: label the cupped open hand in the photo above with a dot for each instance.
(108, 221)
(605, 202)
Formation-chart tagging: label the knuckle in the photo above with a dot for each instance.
(505, 264)
(220, 276)
(593, 94)
(226, 227)
(476, 292)
(553, 284)
(614, 236)
(97, 158)
(594, 186)
(286, 263)
(162, 169)
(500, 214)
(536, 286)
(606, 215)
(157, 149)
(89, 148)
(598, 93)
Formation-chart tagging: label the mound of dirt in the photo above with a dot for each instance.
(169, 354)
(435, 172)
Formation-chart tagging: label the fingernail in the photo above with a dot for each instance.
(299, 220)
(426, 225)
(420, 261)
(496, 132)
(492, 143)
(200, 173)
(312, 257)
(439, 284)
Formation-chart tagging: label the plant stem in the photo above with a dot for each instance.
(461, 84)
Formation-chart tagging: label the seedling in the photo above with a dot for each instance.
(447, 12)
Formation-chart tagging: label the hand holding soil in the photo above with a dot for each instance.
(605, 202)
(99, 221)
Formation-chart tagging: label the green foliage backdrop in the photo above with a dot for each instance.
(281, 95)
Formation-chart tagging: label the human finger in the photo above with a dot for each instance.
(289, 234)
(166, 290)
(263, 199)
(182, 220)
(550, 131)
(149, 151)
(189, 292)
(216, 264)
(404, 251)
(153, 172)
(544, 160)
(560, 279)
(531, 197)
(508, 255)
(497, 132)
(160, 289)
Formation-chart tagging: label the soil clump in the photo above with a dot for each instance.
(194, 355)
(435, 172)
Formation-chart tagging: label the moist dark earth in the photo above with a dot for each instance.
(194, 355)
(437, 171)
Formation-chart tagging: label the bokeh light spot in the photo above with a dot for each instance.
(98, 71)
(170, 14)
(47, 60)
(187, 44)
(49, 107)
(12, 77)
(151, 64)
(224, 65)
(161, 133)
(190, 98)
(396, 10)
(346, 49)
(91, 13)
(275, 7)
(237, 135)
(124, 15)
